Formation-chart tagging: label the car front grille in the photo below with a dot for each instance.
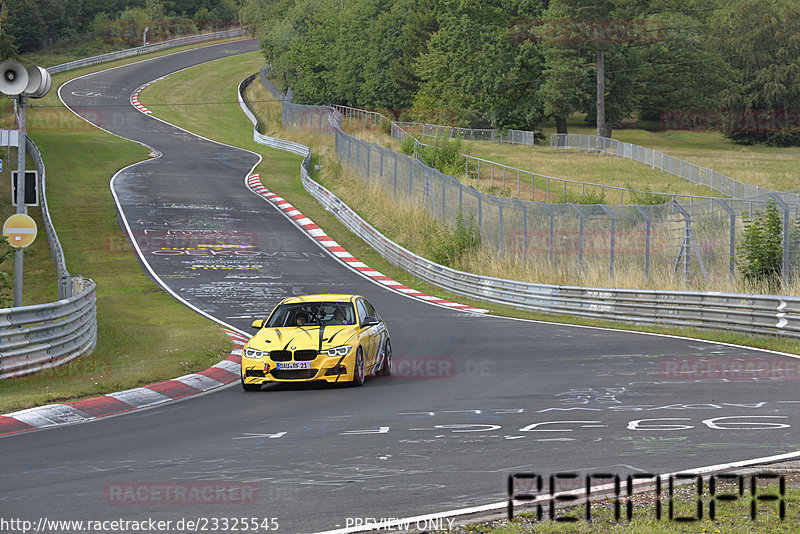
(305, 355)
(254, 372)
(280, 355)
(294, 374)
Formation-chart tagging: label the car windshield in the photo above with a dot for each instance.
(312, 313)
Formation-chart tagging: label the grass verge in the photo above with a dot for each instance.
(144, 335)
(280, 173)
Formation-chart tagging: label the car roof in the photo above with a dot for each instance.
(323, 297)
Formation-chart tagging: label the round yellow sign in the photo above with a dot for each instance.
(20, 230)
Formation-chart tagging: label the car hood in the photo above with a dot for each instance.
(305, 337)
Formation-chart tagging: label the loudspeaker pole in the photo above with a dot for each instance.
(21, 207)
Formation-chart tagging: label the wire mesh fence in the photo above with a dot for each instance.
(696, 240)
(725, 185)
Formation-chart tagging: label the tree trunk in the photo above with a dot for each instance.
(601, 89)
(561, 125)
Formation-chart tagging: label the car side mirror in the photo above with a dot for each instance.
(258, 324)
(369, 321)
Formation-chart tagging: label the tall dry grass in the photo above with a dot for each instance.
(412, 227)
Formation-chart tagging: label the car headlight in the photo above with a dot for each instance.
(253, 353)
(342, 350)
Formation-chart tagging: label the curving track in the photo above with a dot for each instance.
(476, 397)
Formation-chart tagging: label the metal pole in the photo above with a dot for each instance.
(21, 207)
(646, 242)
(613, 238)
(786, 237)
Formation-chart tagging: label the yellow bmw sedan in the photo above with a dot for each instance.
(334, 338)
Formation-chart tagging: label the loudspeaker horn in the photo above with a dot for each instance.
(13, 77)
(39, 82)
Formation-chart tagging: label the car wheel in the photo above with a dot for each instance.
(386, 366)
(249, 387)
(358, 371)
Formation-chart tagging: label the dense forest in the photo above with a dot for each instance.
(732, 65)
(30, 25)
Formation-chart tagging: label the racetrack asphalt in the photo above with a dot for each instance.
(473, 399)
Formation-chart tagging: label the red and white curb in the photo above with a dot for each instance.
(135, 96)
(308, 226)
(220, 374)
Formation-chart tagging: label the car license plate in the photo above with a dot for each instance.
(294, 365)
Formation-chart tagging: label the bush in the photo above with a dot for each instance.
(760, 256)
(448, 246)
(408, 146)
(646, 197)
(444, 155)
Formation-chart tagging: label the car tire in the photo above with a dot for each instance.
(358, 369)
(250, 387)
(386, 365)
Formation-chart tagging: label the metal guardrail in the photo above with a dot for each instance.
(56, 252)
(192, 39)
(42, 336)
(758, 314)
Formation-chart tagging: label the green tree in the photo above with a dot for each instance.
(762, 40)
(590, 65)
(26, 24)
(473, 69)
(761, 249)
(686, 73)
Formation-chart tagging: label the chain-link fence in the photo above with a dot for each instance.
(695, 240)
(726, 185)
(514, 137)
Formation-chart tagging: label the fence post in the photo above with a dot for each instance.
(613, 238)
(444, 194)
(787, 226)
(426, 192)
(394, 179)
(369, 161)
(551, 243)
(499, 223)
(580, 235)
(524, 225)
(410, 178)
(732, 215)
(648, 222)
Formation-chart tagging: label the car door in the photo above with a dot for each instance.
(376, 333)
(365, 334)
